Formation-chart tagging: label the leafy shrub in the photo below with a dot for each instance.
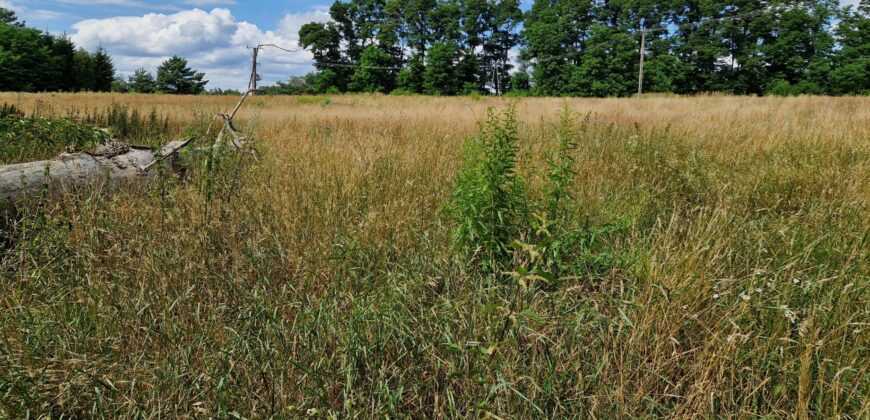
(500, 227)
(780, 87)
(24, 138)
(489, 198)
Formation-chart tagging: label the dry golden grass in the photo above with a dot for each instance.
(321, 280)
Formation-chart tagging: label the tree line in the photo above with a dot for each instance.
(35, 61)
(591, 47)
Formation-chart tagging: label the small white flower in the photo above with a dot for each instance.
(715, 296)
(744, 296)
(796, 280)
(758, 290)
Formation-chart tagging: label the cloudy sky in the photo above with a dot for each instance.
(212, 34)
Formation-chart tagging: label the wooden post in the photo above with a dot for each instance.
(252, 84)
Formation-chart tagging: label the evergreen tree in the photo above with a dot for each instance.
(83, 70)
(141, 81)
(119, 85)
(175, 77)
(65, 51)
(31, 60)
(104, 71)
(8, 17)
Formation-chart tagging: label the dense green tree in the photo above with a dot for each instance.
(555, 32)
(119, 84)
(27, 58)
(797, 42)
(851, 68)
(418, 15)
(141, 81)
(31, 60)
(324, 42)
(440, 77)
(504, 18)
(83, 69)
(582, 47)
(104, 71)
(375, 72)
(175, 77)
(8, 17)
(65, 51)
(296, 85)
(521, 81)
(608, 66)
(410, 79)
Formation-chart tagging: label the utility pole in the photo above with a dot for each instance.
(252, 84)
(640, 72)
(497, 81)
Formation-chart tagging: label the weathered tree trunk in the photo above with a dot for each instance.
(73, 170)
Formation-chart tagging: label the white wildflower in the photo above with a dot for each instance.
(789, 314)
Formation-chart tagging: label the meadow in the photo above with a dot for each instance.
(406, 256)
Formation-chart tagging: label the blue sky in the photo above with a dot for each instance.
(212, 34)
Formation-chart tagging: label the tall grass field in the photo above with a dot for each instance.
(422, 257)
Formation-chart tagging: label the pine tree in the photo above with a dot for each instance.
(175, 77)
(104, 71)
(84, 71)
(141, 81)
(65, 51)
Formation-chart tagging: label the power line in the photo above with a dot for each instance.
(278, 47)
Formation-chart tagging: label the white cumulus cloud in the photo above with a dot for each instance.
(213, 42)
(202, 3)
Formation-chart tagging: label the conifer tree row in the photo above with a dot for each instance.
(591, 47)
(32, 61)
(35, 61)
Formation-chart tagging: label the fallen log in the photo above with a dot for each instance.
(115, 162)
